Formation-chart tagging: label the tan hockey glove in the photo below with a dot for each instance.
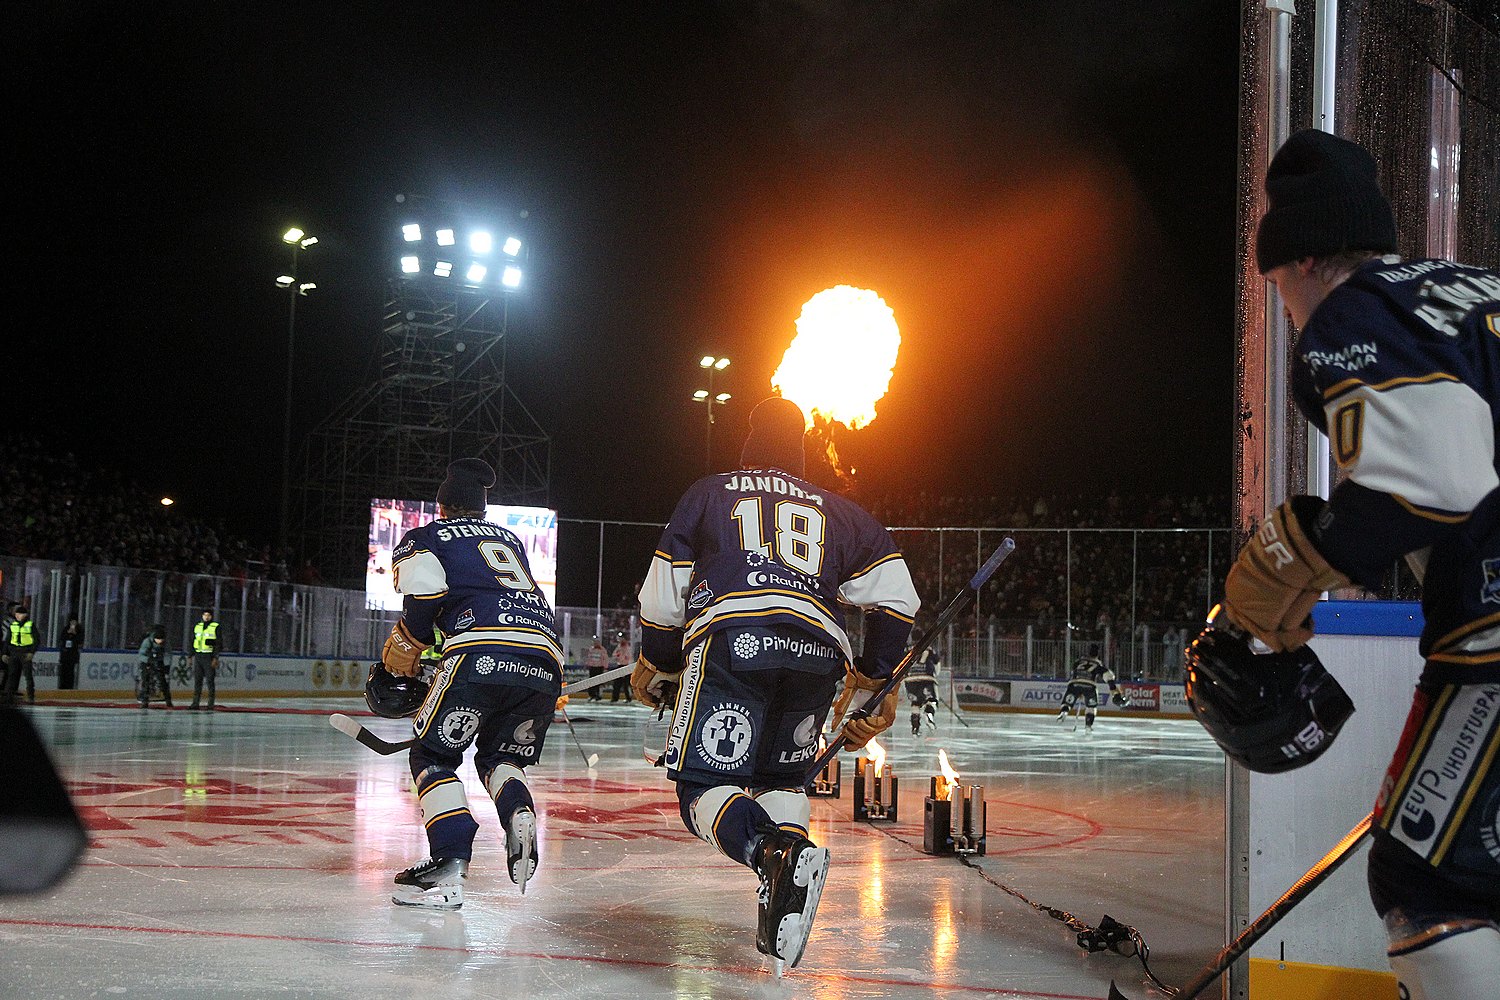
(562, 703)
(647, 681)
(402, 654)
(858, 732)
(1278, 577)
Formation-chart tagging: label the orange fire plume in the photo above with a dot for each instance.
(877, 756)
(950, 776)
(840, 362)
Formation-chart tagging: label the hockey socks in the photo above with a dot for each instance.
(726, 818)
(445, 814)
(507, 786)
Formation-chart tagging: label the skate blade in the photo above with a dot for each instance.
(779, 966)
(439, 897)
(525, 865)
(795, 928)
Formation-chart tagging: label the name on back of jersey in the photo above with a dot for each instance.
(770, 483)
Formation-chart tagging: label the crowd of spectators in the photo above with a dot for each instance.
(53, 507)
(1162, 562)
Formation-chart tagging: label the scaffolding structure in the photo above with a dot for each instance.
(439, 393)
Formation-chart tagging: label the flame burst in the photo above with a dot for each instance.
(839, 365)
(877, 755)
(950, 776)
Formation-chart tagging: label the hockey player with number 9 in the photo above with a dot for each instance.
(467, 582)
(741, 612)
(1399, 363)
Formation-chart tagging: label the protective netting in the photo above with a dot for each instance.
(1418, 84)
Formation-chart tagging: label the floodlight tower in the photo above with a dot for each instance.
(298, 241)
(711, 364)
(440, 388)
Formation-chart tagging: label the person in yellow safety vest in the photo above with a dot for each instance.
(205, 656)
(20, 648)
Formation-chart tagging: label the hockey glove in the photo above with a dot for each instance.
(1120, 699)
(649, 682)
(402, 653)
(1279, 576)
(859, 731)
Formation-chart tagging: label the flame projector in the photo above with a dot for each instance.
(953, 818)
(875, 791)
(829, 782)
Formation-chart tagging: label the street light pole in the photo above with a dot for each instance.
(299, 241)
(711, 364)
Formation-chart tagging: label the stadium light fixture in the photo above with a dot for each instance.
(299, 240)
(442, 269)
(711, 364)
(476, 272)
(410, 265)
(481, 242)
(411, 232)
(167, 501)
(511, 276)
(512, 246)
(445, 237)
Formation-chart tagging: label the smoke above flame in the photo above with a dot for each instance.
(840, 362)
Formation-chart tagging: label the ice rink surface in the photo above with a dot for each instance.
(248, 852)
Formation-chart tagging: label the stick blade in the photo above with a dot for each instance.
(1114, 992)
(593, 759)
(344, 724)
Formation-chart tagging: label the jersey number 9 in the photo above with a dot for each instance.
(509, 570)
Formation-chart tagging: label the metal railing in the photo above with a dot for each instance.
(1130, 595)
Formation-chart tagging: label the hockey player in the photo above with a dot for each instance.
(1088, 673)
(1399, 363)
(741, 610)
(496, 686)
(921, 686)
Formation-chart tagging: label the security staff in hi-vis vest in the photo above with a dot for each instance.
(205, 656)
(19, 649)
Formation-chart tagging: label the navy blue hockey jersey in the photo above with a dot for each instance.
(765, 548)
(469, 582)
(1400, 366)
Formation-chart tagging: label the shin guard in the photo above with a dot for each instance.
(445, 814)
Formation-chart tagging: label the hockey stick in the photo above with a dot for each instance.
(962, 601)
(1326, 866)
(589, 759)
(954, 712)
(385, 748)
(349, 727)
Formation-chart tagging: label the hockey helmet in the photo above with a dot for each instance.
(1271, 712)
(394, 697)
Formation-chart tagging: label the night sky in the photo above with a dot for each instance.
(1043, 192)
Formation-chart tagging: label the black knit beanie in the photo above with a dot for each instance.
(775, 441)
(1323, 198)
(466, 485)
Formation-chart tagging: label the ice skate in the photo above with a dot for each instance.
(520, 846)
(792, 870)
(434, 884)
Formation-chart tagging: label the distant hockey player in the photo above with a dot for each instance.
(921, 686)
(1399, 363)
(742, 609)
(1088, 673)
(499, 679)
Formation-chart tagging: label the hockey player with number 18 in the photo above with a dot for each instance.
(1398, 362)
(467, 582)
(742, 611)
